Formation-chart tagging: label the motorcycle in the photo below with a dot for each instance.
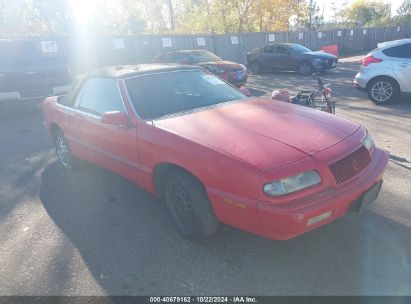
(311, 98)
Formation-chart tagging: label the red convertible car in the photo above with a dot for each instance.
(217, 156)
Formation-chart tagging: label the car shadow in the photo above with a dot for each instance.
(400, 161)
(129, 245)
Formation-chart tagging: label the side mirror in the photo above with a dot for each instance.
(116, 118)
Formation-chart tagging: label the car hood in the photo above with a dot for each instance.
(321, 54)
(223, 64)
(260, 131)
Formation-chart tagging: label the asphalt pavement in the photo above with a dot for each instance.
(91, 232)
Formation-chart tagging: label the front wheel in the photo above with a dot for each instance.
(189, 206)
(256, 67)
(305, 68)
(383, 90)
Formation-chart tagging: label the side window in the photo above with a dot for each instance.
(269, 49)
(100, 95)
(165, 58)
(180, 58)
(282, 50)
(401, 51)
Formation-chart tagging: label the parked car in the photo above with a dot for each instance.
(386, 71)
(26, 73)
(232, 72)
(268, 167)
(290, 57)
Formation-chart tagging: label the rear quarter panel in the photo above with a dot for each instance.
(374, 70)
(61, 117)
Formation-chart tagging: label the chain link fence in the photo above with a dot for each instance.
(92, 52)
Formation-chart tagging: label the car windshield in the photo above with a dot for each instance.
(203, 57)
(299, 48)
(157, 95)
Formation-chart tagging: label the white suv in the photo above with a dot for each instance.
(386, 72)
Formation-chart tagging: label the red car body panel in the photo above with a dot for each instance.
(233, 149)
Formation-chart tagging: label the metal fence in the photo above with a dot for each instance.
(92, 52)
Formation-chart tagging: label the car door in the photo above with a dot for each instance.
(111, 146)
(400, 57)
(267, 57)
(282, 58)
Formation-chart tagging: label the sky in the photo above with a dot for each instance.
(328, 13)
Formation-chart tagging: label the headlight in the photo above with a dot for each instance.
(368, 142)
(215, 69)
(292, 184)
(317, 59)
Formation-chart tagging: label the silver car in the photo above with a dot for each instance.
(386, 72)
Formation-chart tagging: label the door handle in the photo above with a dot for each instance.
(127, 127)
(404, 65)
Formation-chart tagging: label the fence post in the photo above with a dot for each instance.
(242, 48)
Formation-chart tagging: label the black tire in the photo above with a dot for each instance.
(383, 90)
(305, 68)
(189, 206)
(67, 161)
(256, 67)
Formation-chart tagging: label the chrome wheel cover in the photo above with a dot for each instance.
(63, 152)
(305, 68)
(382, 91)
(181, 204)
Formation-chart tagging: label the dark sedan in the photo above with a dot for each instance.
(231, 72)
(26, 73)
(290, 57)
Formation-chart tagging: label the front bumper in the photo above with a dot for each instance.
(323, 66)
(281, 222)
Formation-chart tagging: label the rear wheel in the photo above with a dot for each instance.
(383, 90)
(63, 152)
(305, 68)
(189, 206)
(256, 67)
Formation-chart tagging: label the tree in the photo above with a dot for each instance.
(404, 14)
(368, 13)
(129, 17)
(52, 16)
(405, 8)
(308, 15)
(265, 18)
(171, 12)
(124, 20)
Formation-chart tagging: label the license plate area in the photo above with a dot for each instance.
(367, 198)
